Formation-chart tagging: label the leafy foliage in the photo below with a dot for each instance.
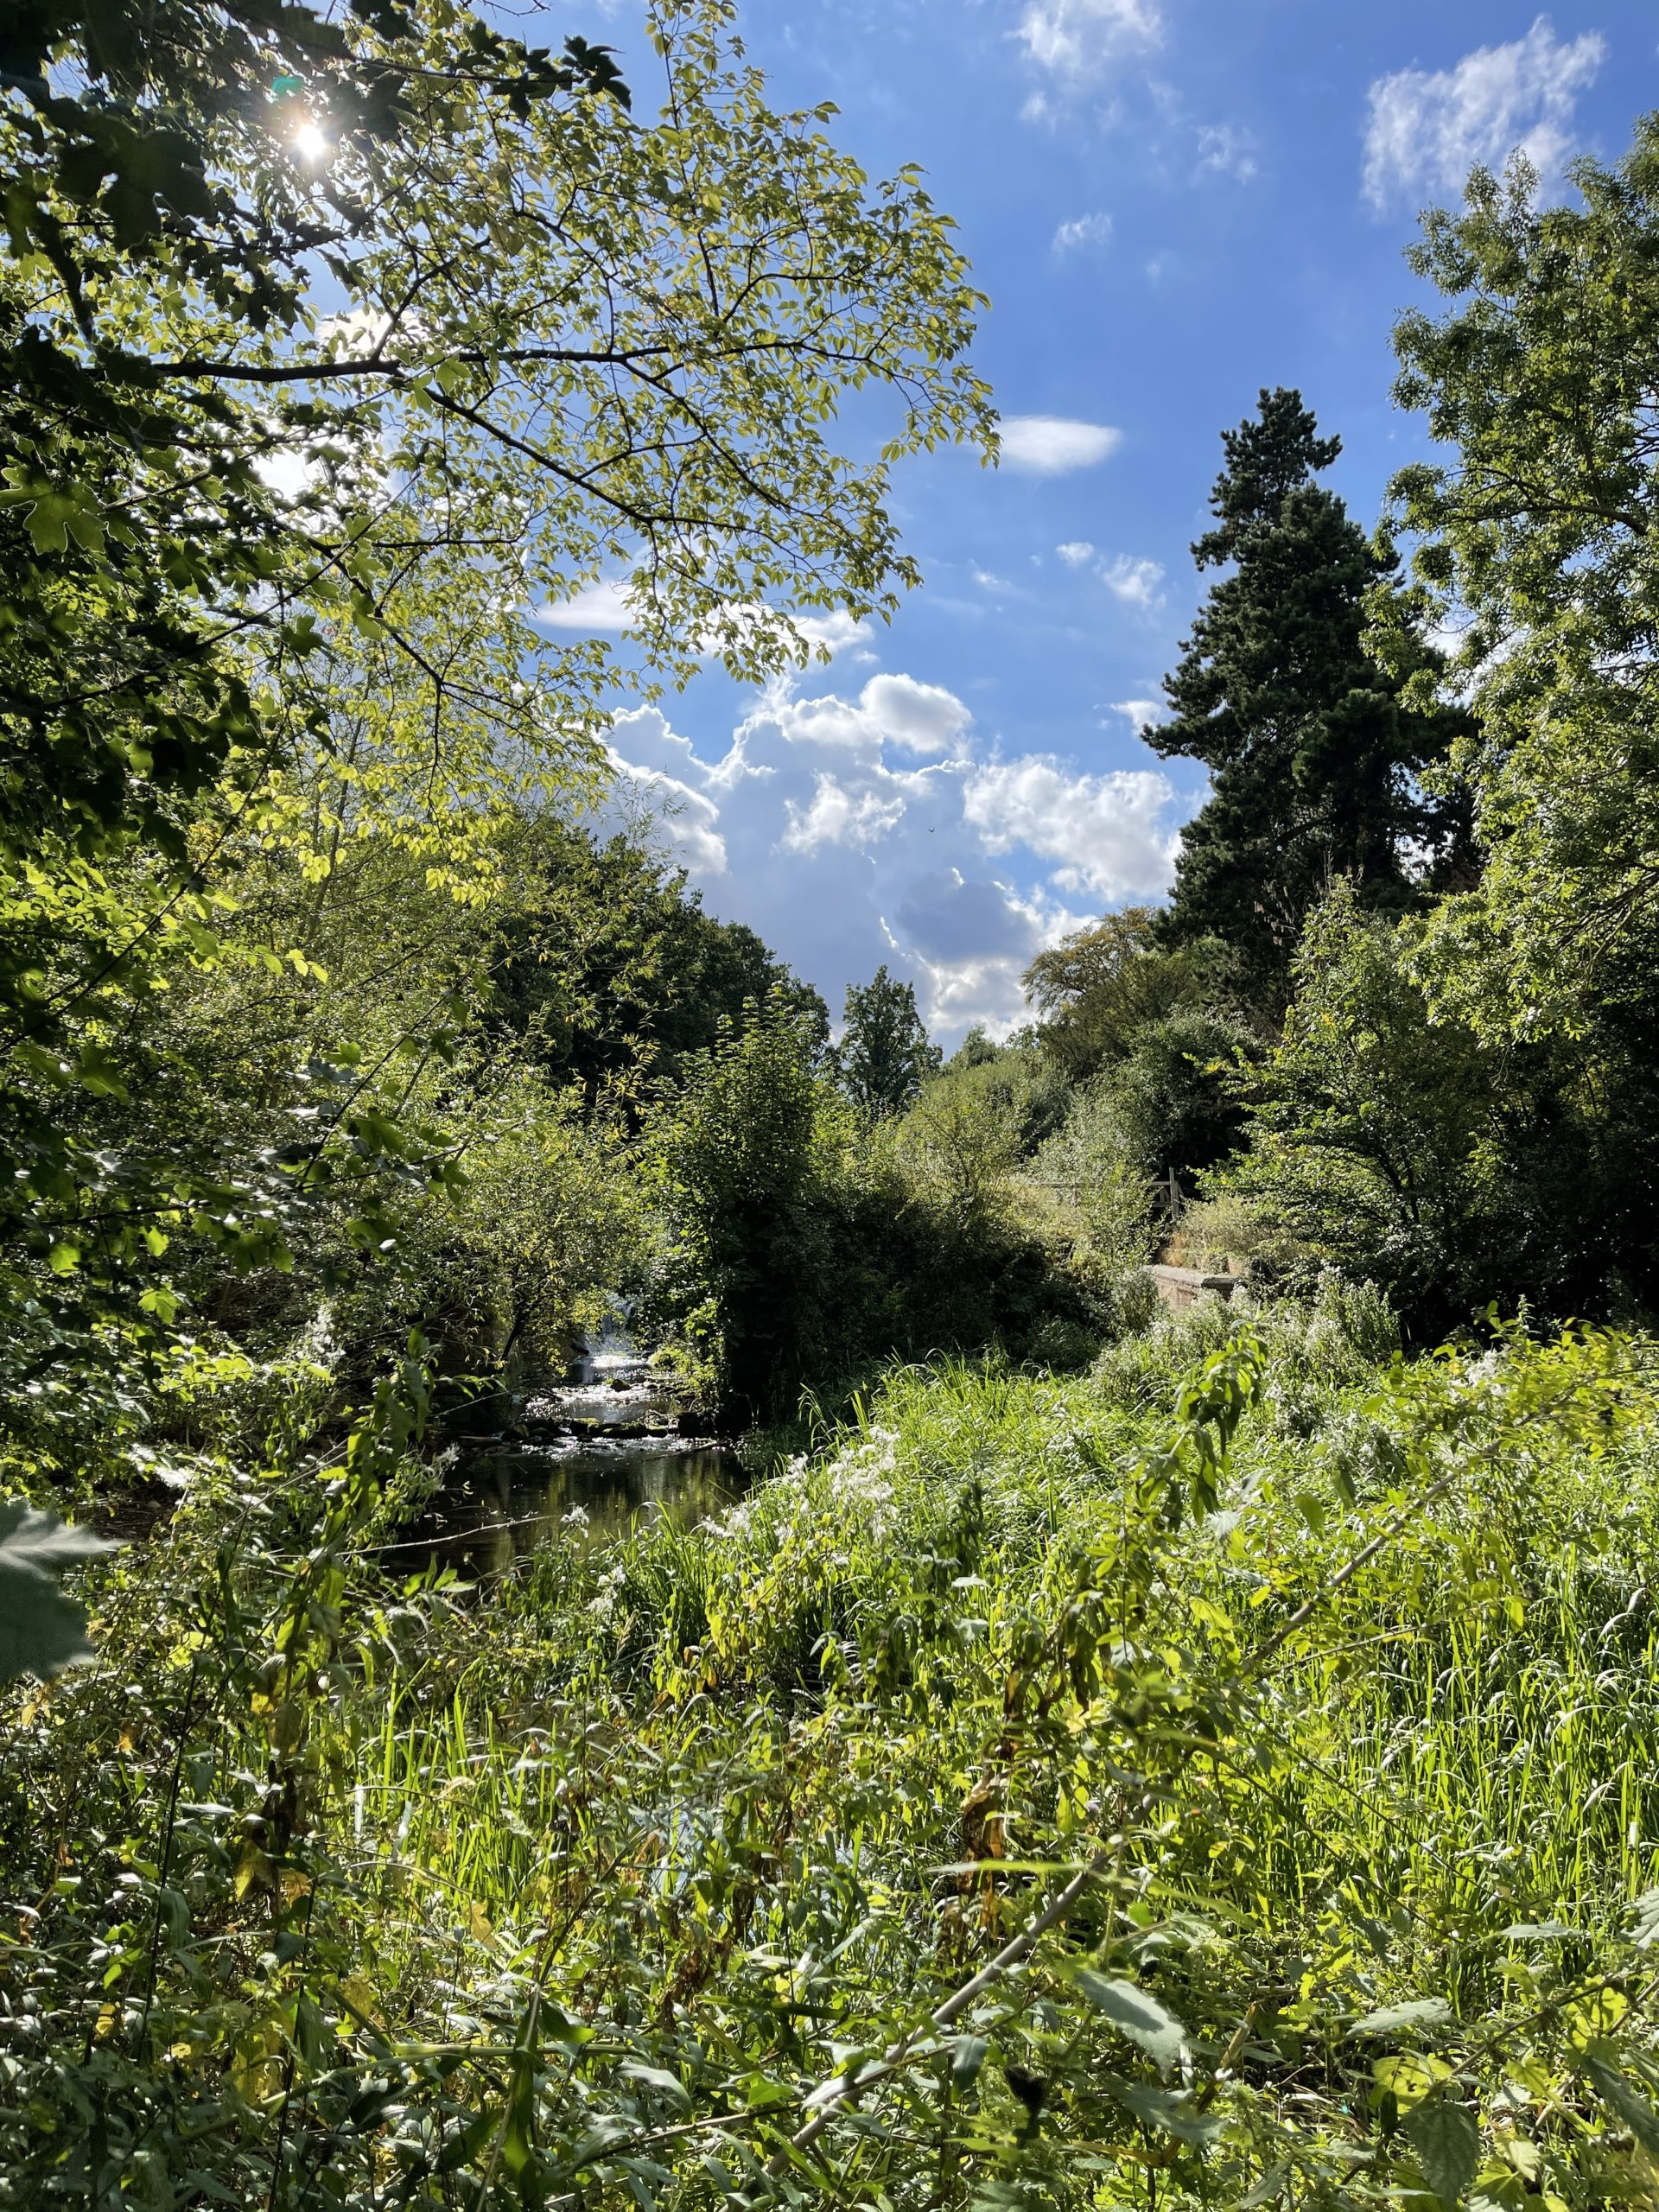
(269, 572)
(884, 1057)
(611, 972)
(1533, 538)
(1446, 1167)
(1059, 1786)
(41, 1632)
(1159, 1032)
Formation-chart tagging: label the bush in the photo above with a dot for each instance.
(1392, 1146)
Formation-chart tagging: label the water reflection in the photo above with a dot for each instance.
(517, 1500)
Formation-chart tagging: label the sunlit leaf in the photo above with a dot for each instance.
(41, 1632)
(1137, 2014)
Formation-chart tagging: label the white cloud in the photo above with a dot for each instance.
(690, 821)
(598, 608)
(602, 608)
(1139, 711)
(890, 710)
(971, 940)
(838, 816)
(1429, 127)
(981, 993)
(1109, 832)
(1083, 230)
(1077, 38)
(848, 831)
(658, 767)
(1075, 552)
(1138, 583)
(1224, 150)
(1054, 445)
(834, 630)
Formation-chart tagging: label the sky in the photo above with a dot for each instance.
(1171, 204)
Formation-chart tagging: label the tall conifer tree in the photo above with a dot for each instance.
(1313, 760)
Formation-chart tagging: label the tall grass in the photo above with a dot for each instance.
(602, 1879)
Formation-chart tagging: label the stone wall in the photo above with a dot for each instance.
(1179, 1286)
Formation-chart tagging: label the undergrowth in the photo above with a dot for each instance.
(1303, 1700)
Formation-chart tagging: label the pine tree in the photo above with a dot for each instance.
(884, 1055)
(1315, 763)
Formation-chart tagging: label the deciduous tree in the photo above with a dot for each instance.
(884, 1055)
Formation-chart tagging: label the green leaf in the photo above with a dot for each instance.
(1174, 2111)
(41, 1632)
(966, 2061)
(46, 524)
(657, 2077)
(1446, 2139)
(1637, 2114)
(1396, 2019)
(96, 1071)
(1136, 2014)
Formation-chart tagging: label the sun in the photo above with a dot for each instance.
(311, 143)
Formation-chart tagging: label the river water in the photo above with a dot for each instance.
(580, 1467)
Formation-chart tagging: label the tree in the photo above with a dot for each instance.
(1535, 536)
(1155, 1031)
(735, 1171)
(1099, 986)
(884, 1057)
(269, 576)
(613, 972)
(1314, 761)
(1451, 1169)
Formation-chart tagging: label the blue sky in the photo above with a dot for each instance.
(1170, 204)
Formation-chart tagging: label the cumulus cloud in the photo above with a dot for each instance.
(1137, 584)
(834, 630)
(1139, 711)
(1054, 445)
(850, 831)
(1076, 38)
(1429, 127)
(1109, 832)
(1075, 552)
(946, 916)
(969, 941)
(657, 766)
(1083, 230)
(890, 710)
(596, 609)
(839, 817)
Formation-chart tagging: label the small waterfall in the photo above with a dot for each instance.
(610, 1356)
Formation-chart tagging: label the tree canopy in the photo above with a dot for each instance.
(1314, 759)
(1533, 539)
(884, 1055)
(334, 351)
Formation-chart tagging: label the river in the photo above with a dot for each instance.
(579, 1466)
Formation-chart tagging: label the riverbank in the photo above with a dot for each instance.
(1325, 1688)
